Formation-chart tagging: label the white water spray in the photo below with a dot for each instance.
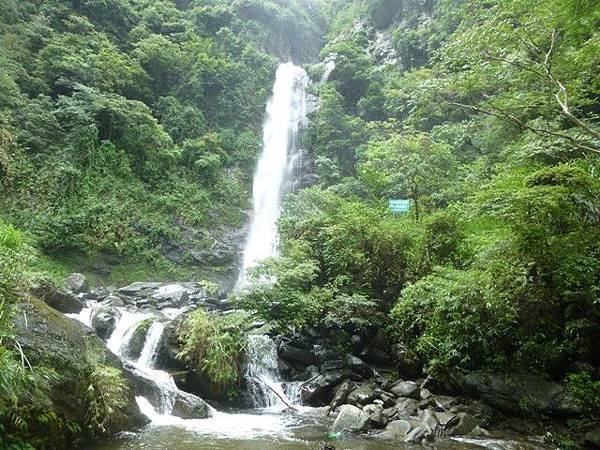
(286, 113)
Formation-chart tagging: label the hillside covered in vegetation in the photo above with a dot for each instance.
(129, 132)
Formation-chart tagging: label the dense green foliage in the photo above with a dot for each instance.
(128, 128)
(485, 116)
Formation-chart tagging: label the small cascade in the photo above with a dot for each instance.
(264, 386)
(153, 338)
(124, 329)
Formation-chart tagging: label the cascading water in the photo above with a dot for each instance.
(265, 389)
(273, 178)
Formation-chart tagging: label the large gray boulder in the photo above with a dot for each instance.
(104, 321)
(350, 418)
(398, 428)
(362, 395)
(76, 283)
(171, 296)
(61, 301)
(405, 389)
(52, 341)
(188, 406)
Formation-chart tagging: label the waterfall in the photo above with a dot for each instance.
(264, 387)
(273, 177)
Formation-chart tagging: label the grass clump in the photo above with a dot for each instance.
(215, 346)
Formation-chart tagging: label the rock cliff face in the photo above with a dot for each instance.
(51, 341)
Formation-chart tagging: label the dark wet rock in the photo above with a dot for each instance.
(104, 320)
(320, 391)
(169, 348)
(188, 406)
(61, 301)
(407, 361)
(405, 389)
(362, 395)
(51, 340)
(375, 355)
(296, 354)
(514, 392)
(335, 364)
(466, 423)
(387, 399)
(286, 370)
(350, 418)
(76, 283)
(358, 366)
(592, 439)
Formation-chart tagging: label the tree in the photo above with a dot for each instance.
(407, 165)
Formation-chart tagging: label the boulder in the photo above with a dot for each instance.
(376, 355)
(188, 406)
(466, 424)
(104, 320)
(61, 301)
(76, 283)
(350, 418)
(341, 394)
(416, 435)
(376, 416)
(398, 428)
(358, 366)
(334, 364)
(406, 407)
(139, 287)
(169, 348)
(407, 361)
(431, 423)
(171, 296)
(405, 389)
(320, 390)
(138, 339)
(513, 393)
(295, 354)
(362, 395)
(53, 341)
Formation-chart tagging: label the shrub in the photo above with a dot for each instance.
(457, 318)
(215, 346)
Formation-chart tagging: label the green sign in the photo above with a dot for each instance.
(399, 205)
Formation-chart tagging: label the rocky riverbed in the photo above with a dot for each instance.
(367, 387)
